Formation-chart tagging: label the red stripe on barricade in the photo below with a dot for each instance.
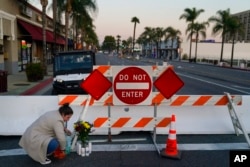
(68, 99)
(143, 122)
(222, 101)
(179, 100)
(201, 100)
(100, 121)
(164, 123)
(109, 101)
(157, 99)
(120, 122)
(103, 69)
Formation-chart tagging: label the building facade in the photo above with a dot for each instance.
(244, 18)
(21, 39)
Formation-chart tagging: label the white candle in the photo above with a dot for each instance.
(90, 147)
(83, 151)
(79, 147)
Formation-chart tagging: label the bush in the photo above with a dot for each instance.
(184, 56)
(34, 72)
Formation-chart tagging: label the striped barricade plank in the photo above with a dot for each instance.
(129, 122)
(194, 100)
(80, 100)
(106, 70)
(157, 99)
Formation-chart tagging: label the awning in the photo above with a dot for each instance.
(37, 33)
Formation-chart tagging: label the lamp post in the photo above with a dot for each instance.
(44, 4)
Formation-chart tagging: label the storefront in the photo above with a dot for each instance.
(31, 43)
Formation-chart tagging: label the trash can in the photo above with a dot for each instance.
(3, 81)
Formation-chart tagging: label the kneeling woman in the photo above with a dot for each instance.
(47, 135)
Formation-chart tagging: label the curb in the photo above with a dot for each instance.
(37, 87)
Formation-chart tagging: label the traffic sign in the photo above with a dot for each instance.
(132, 85)
(96, 84)
(168, 83)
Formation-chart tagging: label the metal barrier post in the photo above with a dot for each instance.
(109, 129)
(237, 123)
(154, 131)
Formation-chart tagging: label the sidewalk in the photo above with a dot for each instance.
(17, 84)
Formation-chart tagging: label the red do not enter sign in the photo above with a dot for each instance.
(132, 85)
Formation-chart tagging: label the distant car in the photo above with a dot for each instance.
(70, 70)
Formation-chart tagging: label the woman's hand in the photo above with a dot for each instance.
(68, 132)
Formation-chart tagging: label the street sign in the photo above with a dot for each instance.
(132, 85)
(96, 84)
(168, 83)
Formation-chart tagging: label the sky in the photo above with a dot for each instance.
(114, 16)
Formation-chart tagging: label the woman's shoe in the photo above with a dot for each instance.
(47, 161)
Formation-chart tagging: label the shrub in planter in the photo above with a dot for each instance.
(34, 72)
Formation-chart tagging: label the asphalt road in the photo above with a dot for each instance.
(136, 148)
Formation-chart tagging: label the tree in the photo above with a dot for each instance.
(109, 43)
(198, 29)
(172, 34)
(79, 8)
(149, 35)
(118, 43)
(234, 27)
(82, 11)
(134, 20)
(221, 26)
(190, 15)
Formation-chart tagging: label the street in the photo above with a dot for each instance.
(137, 148)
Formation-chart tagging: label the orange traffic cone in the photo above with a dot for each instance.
(171, 150)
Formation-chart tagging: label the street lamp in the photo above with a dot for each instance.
(44, 4)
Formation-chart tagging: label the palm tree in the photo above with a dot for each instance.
(190, 15)
(81, 13)
(118, 43)
(134, 20)
(172, 34)
(234, 27)
(148, 35)
(198, 29)
(72, 7)
(221, 25)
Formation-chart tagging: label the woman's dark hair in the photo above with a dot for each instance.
(65, 109)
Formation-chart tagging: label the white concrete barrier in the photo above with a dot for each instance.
(18, 112)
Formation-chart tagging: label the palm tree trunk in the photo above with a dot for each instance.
(133, 43)
(222, 48)
(232, 54)
(190, 48)
(196, 44)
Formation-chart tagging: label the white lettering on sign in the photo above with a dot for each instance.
(139, 77)
(123, 77)
(136, 94)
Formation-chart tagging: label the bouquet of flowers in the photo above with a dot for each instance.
(83, 129)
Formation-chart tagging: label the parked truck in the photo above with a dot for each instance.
(70, 69)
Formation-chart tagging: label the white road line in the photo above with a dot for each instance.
(215, 84)
(147, 147)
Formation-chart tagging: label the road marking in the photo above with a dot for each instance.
(214, 83)
(241, 87)
(147, 147)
